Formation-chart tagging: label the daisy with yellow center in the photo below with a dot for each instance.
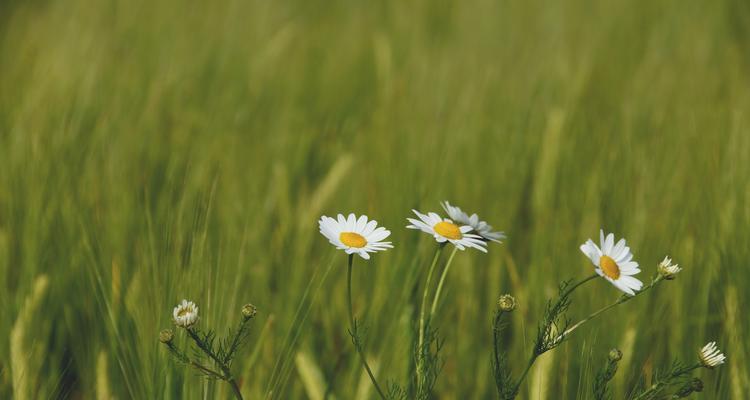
(614, 262)
(667, 269)
(185, 314)
(355, 235)
(481, 228)
(445, 230)
(711, 356)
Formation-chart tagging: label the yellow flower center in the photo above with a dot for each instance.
(448, 230)
(609, 267)
(183, 311)
(353, 239)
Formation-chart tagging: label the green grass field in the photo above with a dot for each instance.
(155, 151)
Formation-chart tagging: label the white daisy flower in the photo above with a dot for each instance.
(710, 356)
(614, 262)
(481, 228)
(445, 230)
(355, 235)
(667, 269)
(185, 314)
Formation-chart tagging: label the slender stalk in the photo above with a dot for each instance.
(185, 359)
(495, 338)
(523, 375)
(534, 353)
(655, 388)
(420, 342)
(227, 374)
(238, 336)
(354, 332)
(500, 372)
(441, 282)
(621, 300)
(235, 387)
(574, 287)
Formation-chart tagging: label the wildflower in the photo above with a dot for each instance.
(710, 356)
(444, 230)
(185, 314)
(506, 303)
(166, 336)
(481, 228)
(614, 262)
(249, 311)
(355, 235)
(667, 269)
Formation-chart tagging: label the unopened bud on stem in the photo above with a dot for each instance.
(166, 336)
(249, 311)
(615, 355)
(693, 386)
(506, 303)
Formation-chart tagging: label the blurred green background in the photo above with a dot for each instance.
(154, 151)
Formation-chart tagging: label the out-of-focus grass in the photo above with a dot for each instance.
(151, 151)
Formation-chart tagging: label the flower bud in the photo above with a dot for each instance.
(166, 336)
(615, 355)
(695, 385)
(249, 311)
(506, 303)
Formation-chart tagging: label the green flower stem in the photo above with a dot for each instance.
(420, 342)
(534, 354)
(185, 359)
(237, 339)
(227, 374)
(496, 336)
(658, 386)
(355, 334)
(621, 300)
(441, 282)
(523, 375)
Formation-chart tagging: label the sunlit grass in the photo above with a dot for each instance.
(155, 151)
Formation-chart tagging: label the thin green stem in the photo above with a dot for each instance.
(227, 374)
(236, 340)
(185, 359)
(658, 386)
(621, 300)
(498, 365)
(534, 353)
(574, 287)
(495, 338)
(420, 342)
(441, 282)
(523, 375)
(235, 387)
(355, 334)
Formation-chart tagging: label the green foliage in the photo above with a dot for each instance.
(500, 367)
(154, 151)
(677, 373)
(604, 376)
